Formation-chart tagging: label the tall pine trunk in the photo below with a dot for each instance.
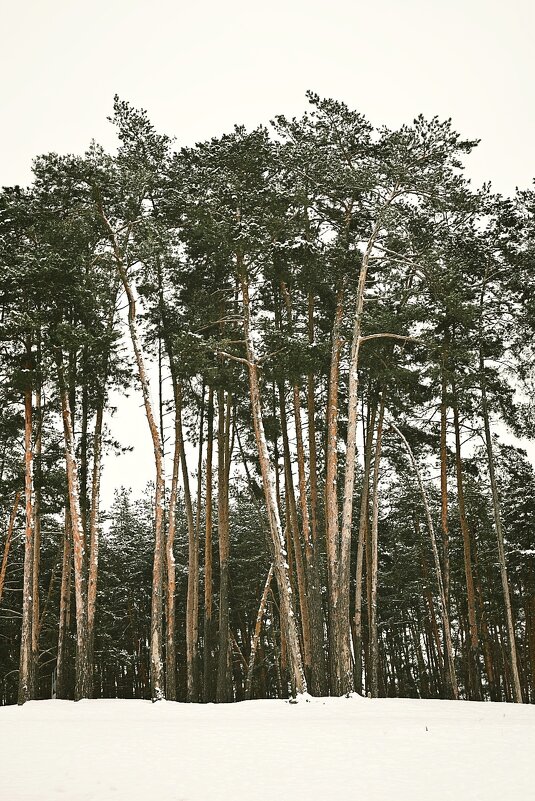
(473, 650)
(362, 541)
(64, 607)
(82, 668)
(331, 497)
(374, 641)
(208, 556)
(224, 678)
(156, 627)
(287, 616)
(170, 643)
(25, 668)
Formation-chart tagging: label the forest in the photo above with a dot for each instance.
(330, 330)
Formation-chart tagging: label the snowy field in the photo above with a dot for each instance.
(320, 750)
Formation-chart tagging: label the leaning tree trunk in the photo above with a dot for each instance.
(287, 616)
(156, 628)
(450, 664)
(343, 631)
(192, 603)
(345, 675)
(7, 543)
(256, 635)
(517, 690)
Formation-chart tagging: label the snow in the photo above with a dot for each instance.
(338, 748)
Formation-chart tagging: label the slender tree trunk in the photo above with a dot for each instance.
(82, 681)
(444, 481)
(428, 595)
(475, 679)
(94, 537)
(156, 660)
(322, 677)
(314, 612)
(8, 540)
(170, 646)
(331, 496)
(293, 527)
(256, 635)
(224, 681)
(361, 544)
(345, 673)
(25, 669)
(36, 627)
(198, 532)
(450, 664)
(64, 604)
(517, 691)
(374, 641)
(287, 617)
(318, 678)
(95, 494)
(192, 603)
(208, 579)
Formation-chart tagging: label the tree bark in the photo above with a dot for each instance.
(170, 645)
(374, 641)
(287, 617)
(224, 681)
(25, 668)
(331, 497)
(82, 668)
(293, 527)
(361, 543)
(208, 556)
(64, 604)
(444, 480)
(475, 680)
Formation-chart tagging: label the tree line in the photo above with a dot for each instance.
(330, 330)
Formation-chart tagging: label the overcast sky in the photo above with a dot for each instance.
(199, 67)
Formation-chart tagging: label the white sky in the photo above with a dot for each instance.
(200, 67)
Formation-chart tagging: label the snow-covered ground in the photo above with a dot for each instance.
(343, 748)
